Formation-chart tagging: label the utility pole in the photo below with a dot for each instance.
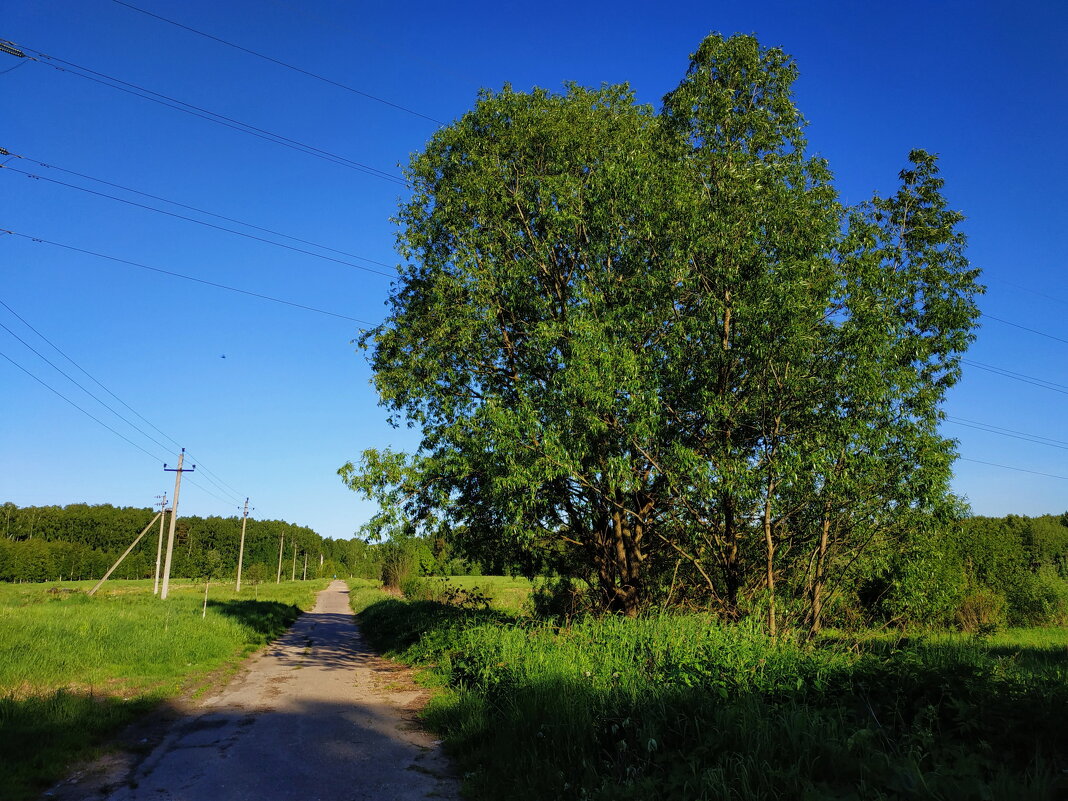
(174, 519)
(241, 550)
(294, 577)
(305, 578)
(159, 540)
(281, 543)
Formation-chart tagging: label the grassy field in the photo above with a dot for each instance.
(511, 594)
(683, 707)
(75, 669)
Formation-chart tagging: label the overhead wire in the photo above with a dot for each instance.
(198, 222)
(1017, 469)
(219, 482)
(6, 152)
(56, 348)
(203, 113)
(281, 63)
(235, 497)
(1025, 328)
(202, 488)
(66, 375)
(187, 277)
(1028, 290)
(98, 383)
(79, 408)
(1027, 379)
(1037, 439)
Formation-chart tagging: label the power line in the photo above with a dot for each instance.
(83, 389)
(6, 152)
(281, 63)
(205, 114)
(219, 481)
(1025, 328)
(1008, 432)
(90, 394)
(87, 374)
(1017, 469)
(79, 408)
(187, 277)
(202, 488)
(198, 222)
(215, 483)
(1027, 379)
(1022, 288)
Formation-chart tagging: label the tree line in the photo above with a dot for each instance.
(81, 541)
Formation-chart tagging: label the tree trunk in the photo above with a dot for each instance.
(731, 568)
(769, 543)
(819, 576)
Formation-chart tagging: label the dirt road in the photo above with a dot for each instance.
(317, 716)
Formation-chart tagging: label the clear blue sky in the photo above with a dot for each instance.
(983, 84)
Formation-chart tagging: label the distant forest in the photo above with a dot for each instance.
(50, 543)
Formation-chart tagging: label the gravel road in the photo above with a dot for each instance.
(316, 716)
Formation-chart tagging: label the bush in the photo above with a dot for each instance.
(399, 562)
(559, 599)
(983, 609)
(685, 707)
(1039, 599)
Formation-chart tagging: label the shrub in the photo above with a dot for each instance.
(983, 608)
(559, 599)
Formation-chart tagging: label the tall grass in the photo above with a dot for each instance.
(74, 669)
(682, 707)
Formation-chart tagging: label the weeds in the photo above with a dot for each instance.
(684, 707)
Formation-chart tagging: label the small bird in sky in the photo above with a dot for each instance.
(223, 356)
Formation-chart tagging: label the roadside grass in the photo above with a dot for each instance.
(364, 592)
(74, 669)
(507, 593)
(685, 707)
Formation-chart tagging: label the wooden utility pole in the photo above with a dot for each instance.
(174, 519)
(125, 554)
(159, 541)
(305, 578)
(281, 543)
(294, 576)
(241, 550)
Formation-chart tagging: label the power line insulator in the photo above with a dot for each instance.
(10, 49)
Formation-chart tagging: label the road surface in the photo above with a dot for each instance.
(316, 716)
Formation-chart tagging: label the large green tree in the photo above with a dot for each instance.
(653, 352)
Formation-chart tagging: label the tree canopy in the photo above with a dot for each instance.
(652, 351)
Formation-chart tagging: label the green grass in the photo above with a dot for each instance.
(364, 592)
(683, 707)
(75, 669)
(508, 593)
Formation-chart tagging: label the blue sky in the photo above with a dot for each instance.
(985, 85)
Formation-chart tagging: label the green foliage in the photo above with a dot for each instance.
(652, 353)
(1010, 570)
(401, 559)
(78, 542)
(686, 707)
(982, 610)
